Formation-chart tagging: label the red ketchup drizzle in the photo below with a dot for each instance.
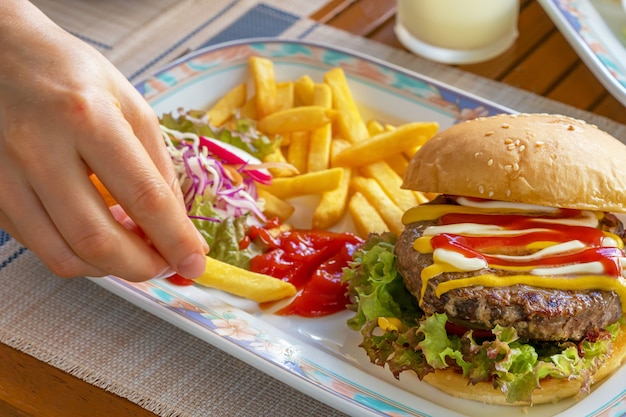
(313, 262)
(180, 280)
(480, 246)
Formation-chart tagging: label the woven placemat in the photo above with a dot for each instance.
(83, 329)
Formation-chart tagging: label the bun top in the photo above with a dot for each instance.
(549, 160)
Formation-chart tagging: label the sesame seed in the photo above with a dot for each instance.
(539, 143)
(516, 167)
(522, 147)
(481, 189)
(490, 193)
(508, 141)
(570, 127)
(508, 193)
(489, 133)
(510, 146)
(508, 168)
(490, 162)
(506, 126)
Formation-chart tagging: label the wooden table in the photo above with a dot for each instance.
(540, 61)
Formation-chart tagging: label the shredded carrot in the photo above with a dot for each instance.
(108, 198)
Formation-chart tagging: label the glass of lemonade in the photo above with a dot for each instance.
(457, 31)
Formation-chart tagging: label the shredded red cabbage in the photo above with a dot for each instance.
(199, 164)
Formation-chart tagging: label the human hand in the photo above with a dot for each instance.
(65, 113)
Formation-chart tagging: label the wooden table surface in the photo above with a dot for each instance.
(540, 61)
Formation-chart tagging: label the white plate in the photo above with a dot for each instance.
(596, 29)
(321, 357)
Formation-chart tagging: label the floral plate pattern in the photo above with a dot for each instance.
(596, 30)
(320, 357)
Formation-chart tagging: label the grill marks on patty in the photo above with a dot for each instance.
(536, 313)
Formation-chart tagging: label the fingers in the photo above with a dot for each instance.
(25, 219)
(128, 171)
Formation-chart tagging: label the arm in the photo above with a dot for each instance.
(66, 112)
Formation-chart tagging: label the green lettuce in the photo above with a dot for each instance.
(242, 135)
(421, 344)
(223, 236)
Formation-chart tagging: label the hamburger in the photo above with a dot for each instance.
(509, 286)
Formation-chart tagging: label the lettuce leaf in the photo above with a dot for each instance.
(223, 235)
(243, 134)
(375, 286)
(422, 344)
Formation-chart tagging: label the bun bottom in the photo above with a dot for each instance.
(551, 390)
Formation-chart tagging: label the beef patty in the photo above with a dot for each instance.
(536, 313)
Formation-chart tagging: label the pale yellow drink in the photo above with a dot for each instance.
(479, 27)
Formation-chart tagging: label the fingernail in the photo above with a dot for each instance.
(166, 273)
(192, 266)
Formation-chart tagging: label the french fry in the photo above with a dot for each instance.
(304, 87)
(248, 110)
(304, 118)
(421, 197)
(277, 156)
(244, 283)
(275, 207)
(226, 106)
(319, 145)
(365, 217)
(350, 122)
(332, 205)
(298, 150)
(310, 183)
(265, 85)
(374, 127)
(337, 146)
(386, 144)
(398, 163)
(388, 210)
(284, 96)
(391, 184)
(319, 148)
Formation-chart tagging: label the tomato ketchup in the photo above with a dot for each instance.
(313, 261)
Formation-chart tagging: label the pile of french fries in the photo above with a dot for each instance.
(354, 164)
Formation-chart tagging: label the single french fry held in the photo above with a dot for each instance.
(244, 283)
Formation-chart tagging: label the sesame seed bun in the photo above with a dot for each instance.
(543, 159)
